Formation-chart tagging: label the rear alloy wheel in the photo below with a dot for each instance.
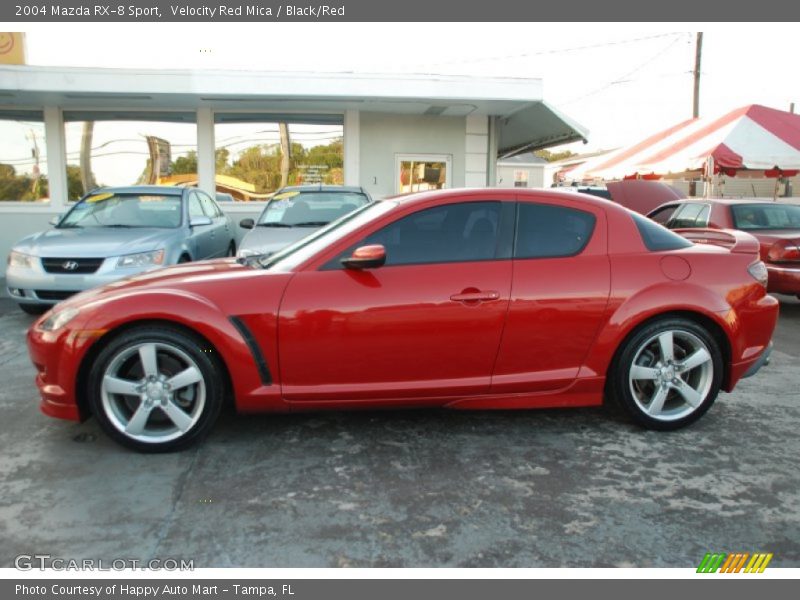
(156, 389)
(668, 374)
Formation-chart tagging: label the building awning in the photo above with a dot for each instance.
(534, 127)
(525, 121)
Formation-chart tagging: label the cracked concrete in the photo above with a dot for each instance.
(507, 489)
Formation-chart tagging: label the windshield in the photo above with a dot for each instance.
(297, 253)
(309, 209)
(766, 216)
(110, 209)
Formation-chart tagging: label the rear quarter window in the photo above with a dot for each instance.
(657, 237)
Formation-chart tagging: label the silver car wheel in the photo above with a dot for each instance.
(153, 392)
(671, 375)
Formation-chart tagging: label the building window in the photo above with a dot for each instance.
(257, 154)
(421, 172)
(136, 148)
(23, 157)
(521, 179)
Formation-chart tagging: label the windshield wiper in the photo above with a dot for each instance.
(121, 226)
(69, 226)
(311, 224)
(274, 225)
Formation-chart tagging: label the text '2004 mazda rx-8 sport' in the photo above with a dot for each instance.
(466, 299)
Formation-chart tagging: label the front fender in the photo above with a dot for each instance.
(104, 317)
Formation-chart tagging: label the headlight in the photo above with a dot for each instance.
(18, 259)
(142, 259)
(245, 252)
(58, 319)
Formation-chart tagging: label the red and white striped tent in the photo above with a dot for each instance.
(753, 140)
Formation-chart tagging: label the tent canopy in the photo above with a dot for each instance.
(753, 138)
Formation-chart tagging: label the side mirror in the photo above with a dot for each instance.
(366, 257)
(200, 221)
(247, 223)
(55, 220)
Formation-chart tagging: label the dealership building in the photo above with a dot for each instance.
(63, 130)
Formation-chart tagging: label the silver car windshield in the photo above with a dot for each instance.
(309, 209)
(296, 254)
(109, 209)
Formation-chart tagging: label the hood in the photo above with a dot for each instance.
(641, 195)
(184, 276)
(263, 240)
(95, 242)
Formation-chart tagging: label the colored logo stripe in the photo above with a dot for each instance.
(733, 563)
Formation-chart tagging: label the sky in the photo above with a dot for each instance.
(621, 81)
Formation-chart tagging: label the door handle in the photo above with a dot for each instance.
(475, 296)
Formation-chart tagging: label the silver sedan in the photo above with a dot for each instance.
(113, 233)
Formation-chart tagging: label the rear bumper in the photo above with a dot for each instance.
(762, 361)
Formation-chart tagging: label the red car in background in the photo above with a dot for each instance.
(776, 225)
(464, 299)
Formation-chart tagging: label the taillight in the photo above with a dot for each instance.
(784, 251)
(758, 270)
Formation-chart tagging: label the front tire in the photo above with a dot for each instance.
(156, 389)
(667, 374)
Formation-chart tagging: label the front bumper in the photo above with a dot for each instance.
(37, 286)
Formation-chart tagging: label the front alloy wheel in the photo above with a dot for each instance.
(156, 389)
(668, 374)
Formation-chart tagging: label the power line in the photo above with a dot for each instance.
(555, 51)
(626, 78)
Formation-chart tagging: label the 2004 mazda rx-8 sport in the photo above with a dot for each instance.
(470, 299)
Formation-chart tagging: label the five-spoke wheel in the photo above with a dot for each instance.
(156, 388)
(668, 373)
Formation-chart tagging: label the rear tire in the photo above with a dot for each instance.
(667, 374)
(156, 388)
(34, 309)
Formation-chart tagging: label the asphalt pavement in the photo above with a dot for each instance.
(550, 488)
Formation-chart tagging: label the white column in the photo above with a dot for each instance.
(491, 156)
(352, 148)
(56, 157)
(206, 163)
(477, 146)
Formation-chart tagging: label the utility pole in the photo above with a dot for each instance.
(697, 56)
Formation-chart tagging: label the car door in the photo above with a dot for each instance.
(561, 288)
(423, 328)
(200, 235)
(220, 230)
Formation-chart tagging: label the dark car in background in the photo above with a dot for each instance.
(295, 212)
(776, 225)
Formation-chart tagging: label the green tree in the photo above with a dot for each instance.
(554, 156)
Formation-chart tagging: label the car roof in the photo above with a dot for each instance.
(318, 187)
(510, 194)
(165, 190)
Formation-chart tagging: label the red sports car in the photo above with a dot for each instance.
(479, 299)
(776, 225)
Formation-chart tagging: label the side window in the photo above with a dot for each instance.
(195, 207)
(548, 231)
(662, 215)
(461, 232)
(209, 207)
(686, 216)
